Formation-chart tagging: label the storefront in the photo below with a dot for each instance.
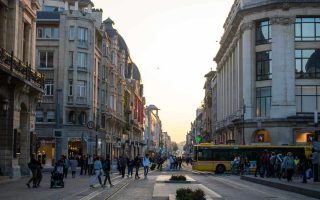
(75, 147)
(46, 151)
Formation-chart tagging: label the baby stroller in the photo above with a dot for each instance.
(57, 177)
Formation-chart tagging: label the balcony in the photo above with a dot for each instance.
(70, 100)
(47, 99)
(21, 70)
(81, 100)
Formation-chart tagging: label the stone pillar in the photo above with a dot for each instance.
(247, 65)
(76, 5)
(66, 5)
(3, 26)
(283, 70)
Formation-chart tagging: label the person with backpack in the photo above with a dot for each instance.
(288, 165)
(146, 164)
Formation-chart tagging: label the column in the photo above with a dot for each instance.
(283, 70)
(247, 64)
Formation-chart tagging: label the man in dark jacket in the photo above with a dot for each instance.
(107, 168)
(123, 164)
(33, 166)
(137, 163)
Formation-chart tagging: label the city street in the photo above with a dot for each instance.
(228, 187)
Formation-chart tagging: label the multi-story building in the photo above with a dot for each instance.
(267, 72)
(207, 120)
(153, 130)
(21, 86)
(69, 47)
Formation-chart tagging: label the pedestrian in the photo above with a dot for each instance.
(272, 165)
(122, 164)
(81, 164)
(265, 162)
(258, 166)
(288, 166)
(39, 172)
(130, 166)
(315, 164)
(90, 165)
(73, 165)
(66, 165)
(137, 163)
(304, 166)
(279, 160)
(106, 169)
(171, 161)
(179, 159)
(33, 165)
(97, 165)
(146, 164)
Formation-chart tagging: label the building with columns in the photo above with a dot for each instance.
(153, 129)
(268, 72)
(21, 86)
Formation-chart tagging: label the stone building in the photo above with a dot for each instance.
(21, 86)
(267, 72)
(153, 130)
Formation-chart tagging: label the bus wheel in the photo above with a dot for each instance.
(220, 169)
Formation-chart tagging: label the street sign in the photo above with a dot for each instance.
(90, 125)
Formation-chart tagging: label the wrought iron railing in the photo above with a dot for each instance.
(11, 63)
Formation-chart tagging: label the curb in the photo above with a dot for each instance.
(282, 186)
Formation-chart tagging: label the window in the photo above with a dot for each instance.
(263, 65)
(51, 116)
(72, 117)
(81, 90)
(50, 8)
(82, 118)
(307, 63)
(263, 32)
(82, 60)
(70, 59)
(307, 98)
(70, 88)
(83, 36)
(263, 98)
(307, 29)
(39, 116)
(114, 58)
(48, 87)
(46, 59)
(71, 33)
(47, 33)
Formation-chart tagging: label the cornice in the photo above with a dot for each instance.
(283, 20)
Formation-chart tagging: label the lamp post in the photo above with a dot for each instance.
(243, 113)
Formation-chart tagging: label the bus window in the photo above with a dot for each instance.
(204, 154)
(220, 155)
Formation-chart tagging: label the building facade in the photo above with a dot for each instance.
(153, 130)
(267, 73)
(21, 86)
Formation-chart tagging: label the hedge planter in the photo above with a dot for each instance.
(188, 194)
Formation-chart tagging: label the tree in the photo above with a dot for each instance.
(174, 146)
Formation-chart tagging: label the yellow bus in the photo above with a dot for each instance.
(217, 158)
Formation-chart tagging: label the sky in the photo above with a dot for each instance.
(173, 42)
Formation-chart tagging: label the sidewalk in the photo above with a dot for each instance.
(311, 189)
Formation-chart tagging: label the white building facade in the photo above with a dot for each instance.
(268, 70)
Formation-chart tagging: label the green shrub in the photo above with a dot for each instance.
(178, 178)
(188, 194)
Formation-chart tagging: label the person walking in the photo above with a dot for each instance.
(73, 165)
(97, 165)
(315, 164)
(90, 165)
(279, 171)
(304, 167)
(33, 166)
(106, 169)
(39, 172)
(130, 167)
(81, 164)
(289, 166)
(265, 162)
(137, 163)
(66, 165)
(122, 165)
(146, 164)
